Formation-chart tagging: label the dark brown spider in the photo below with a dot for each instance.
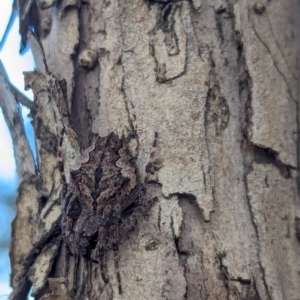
(104, 184)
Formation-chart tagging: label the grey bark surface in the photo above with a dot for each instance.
(218, 82)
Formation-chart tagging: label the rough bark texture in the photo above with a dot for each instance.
(218, 81)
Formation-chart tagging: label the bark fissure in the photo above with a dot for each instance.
(130, 119)
(182, 256)
(159, 218)
(212, 84)
(279, 48)
(262, 53)
(224, 274)
(219, 27)
(79, 111)
(275, 64)
(130, 116)
(257, 239)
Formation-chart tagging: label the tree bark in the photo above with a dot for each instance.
(218, 82)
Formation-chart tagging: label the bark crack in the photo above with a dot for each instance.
(159, 218)
(182, 257)
(258, 153)
(219, 27)
(203, 289)
(257, 238)
(278, 46)
(274, 62)
(122, 88)
(80, 120)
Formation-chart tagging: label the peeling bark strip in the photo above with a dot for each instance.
(33, 265)
(218, 82)
(274, 78)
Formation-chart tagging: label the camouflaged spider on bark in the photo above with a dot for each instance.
(104, 186)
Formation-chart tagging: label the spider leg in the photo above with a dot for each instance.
(60, 162)
(69, 206)
(137, 196)
(76, 271)
(115, 243)
(101, 244)
(131, 199)
(71, 212)
(150, 167)
(102, 241)
(88, 265)
(116, 256)
(131, 221)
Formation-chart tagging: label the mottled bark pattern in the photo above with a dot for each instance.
(218, 81)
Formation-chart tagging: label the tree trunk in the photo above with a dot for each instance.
(217, 81)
